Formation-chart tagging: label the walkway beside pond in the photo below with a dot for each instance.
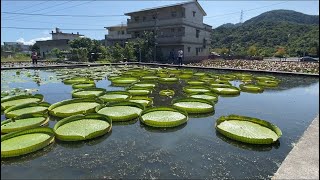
(303, 160)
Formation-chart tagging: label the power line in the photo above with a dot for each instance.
(64, 15)
(245, 10)
(27, 8)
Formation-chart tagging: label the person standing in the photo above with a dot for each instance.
(171, 56)
(34, 57)
(180, 56)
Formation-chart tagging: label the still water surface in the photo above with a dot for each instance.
(193, 150)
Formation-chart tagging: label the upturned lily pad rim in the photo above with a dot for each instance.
(45, 130)
(206, 93)
(23, 96)
(25, 105)
(78, 85)
(81, 79)
(168, 79)
(88, 89)
(27, 116)
(257, 88)
(120, 80)
(78, 117)
(142, 98)
(167, 92)
(163, 108)
(249, 119)
(194, 110)
(185, 89)
(123, 103)
(226, 93)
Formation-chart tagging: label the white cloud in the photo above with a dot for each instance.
(32, 41)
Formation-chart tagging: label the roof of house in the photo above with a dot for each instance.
(116, 26)
(172, 5)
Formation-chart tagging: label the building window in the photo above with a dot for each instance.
(179, 29)
(136, 19)
(136, 34)
(204, 43)
(197, 51)
(173, 13)
(189, 48)
(194, 13)
(118, 32)
(144, 18)
(172, 30)
(197, 33)
(182, 14)
(154, 16)
(122, 32)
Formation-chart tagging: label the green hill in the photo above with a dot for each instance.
(295, 32)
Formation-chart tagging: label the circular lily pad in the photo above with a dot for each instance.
(27, 108)
(145, 101)
(194, 105)
(144, 85)
(248, 129)
(251, 88)
(196, 89)
(163, 117)
(115, 96)
(135, 91)
(78, 80)
(195, 83)
(73, 106)
(207, 96)
(10, 101)
(27, 141)
(124, 81)
(82, 127)
(268, 83)
(83, 85)
(166, 92)
(122, 111)
(88, 92)
(226, 90)
(168, 79)
(149, 77)
(23, 122)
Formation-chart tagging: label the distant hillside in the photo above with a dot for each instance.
(296, 32)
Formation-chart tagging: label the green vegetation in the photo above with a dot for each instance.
(275, 33)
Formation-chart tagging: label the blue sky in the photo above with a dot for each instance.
(218, 13)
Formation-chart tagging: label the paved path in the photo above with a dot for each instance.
(303, 160)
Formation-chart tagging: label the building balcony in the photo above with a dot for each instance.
(117, 37)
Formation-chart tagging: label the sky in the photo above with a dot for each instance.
(218, 13)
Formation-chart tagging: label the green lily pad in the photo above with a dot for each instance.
(206, 96)
(268, 83)
(27, 108)
(115, 96)
(78, 80)
(82, 127)
(163, 117)
(226, 90)
(10, 101)
(88, 92)
(248, 129)
(168, 79)
(24, 142)
(194, 105)
(123, 111)
(83, 85)
(166, 92)
(139, 91)
(124, 80)
(145, 101)
(73, 106)
(23, 122)
(251, 88)
(196, 89)
(195, 83)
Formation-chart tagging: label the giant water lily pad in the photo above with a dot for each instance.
(123, 111)
(207, 96)
(194, 105)
(123, 81)
(10, 101)
(27, 108)
(136, 91)
(82, 127)
(226, 90)
(195, 83)
(78, 80)
(248, 129)
(251, 88)
(163, 117)
(196, 89)
(166, 92)
(88, 92)
(168, 79)
(144, 85)
(74, 106)
(27, 141)
(23, 122)
(145, 101)
(268, 83)
(115, 96)
(83, 85)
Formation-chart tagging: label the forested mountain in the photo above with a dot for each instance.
(291, 31)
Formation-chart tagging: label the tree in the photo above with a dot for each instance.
(129, 51)
(252, 51)
(81, 43)
(35, 47)
(281, 52)
(56, 52)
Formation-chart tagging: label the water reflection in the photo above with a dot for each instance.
(30, 156)
(162, 130)
(201, 115)
(251, 147)
(79, 144)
